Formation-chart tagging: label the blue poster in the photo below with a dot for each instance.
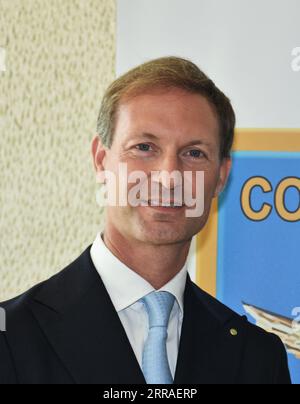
(258, 272)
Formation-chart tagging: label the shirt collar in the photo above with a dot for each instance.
(125, 286)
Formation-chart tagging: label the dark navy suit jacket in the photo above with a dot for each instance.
(66, 331)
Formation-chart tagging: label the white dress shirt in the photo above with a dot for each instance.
(125, 287)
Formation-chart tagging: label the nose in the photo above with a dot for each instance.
(169, 172)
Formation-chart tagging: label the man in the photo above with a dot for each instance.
(126, 311)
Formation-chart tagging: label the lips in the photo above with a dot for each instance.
(165, 204)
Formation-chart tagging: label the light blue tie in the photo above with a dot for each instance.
(155, 363)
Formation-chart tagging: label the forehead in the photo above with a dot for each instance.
(165, 113)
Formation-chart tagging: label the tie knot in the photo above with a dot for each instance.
(158, 306)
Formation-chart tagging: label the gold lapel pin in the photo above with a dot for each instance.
(234, 332)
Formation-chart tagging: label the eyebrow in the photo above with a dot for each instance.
(151, 136)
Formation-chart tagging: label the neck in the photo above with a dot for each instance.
(163, 261)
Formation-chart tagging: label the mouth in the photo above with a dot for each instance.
(171, 206)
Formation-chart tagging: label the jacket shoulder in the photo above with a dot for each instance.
(263, 352)
(226, 316)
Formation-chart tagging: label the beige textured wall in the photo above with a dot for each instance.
(60, 56)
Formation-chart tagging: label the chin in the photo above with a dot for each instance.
(161, 233)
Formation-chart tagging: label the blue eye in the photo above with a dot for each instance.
(143, 147)
(196, 153)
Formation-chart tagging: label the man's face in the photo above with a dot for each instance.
(168, 130)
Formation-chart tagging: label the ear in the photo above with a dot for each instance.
(98, 153)
(224, 175)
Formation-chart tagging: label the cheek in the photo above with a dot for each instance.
(210, 183)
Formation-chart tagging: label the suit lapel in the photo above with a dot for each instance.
(208, 353)
(86, 332)
(80, 322)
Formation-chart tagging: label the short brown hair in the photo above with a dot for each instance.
(167, 72)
